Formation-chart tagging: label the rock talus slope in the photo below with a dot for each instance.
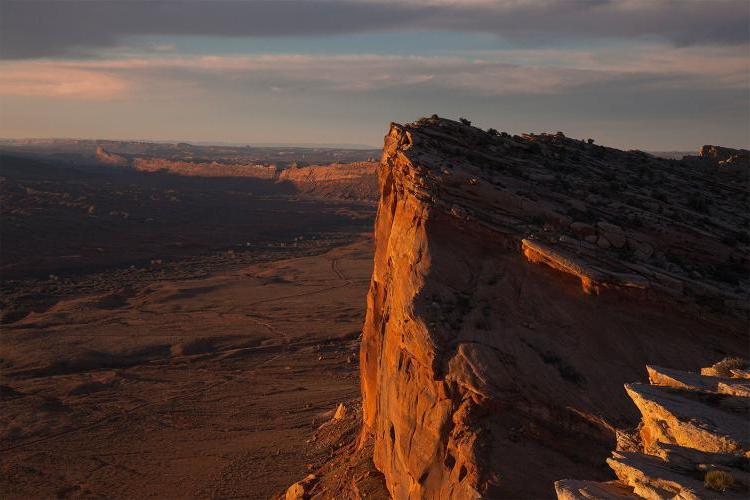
(518, 283)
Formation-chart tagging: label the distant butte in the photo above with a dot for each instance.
(518, 283)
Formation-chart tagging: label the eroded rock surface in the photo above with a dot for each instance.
(518, 283)
(690, 427)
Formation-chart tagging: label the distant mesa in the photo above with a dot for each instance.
(110, 158)
(355, 180)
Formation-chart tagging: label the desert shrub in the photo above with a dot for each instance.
(535, 147)
(537, 220)
(732, 272)
(463, 303)
(493, 132)
(698, 203)
(742, 237)
(567, 371)
(719, 480)
(729, 240)
(464, 121)
(659, 195)
(726, 365)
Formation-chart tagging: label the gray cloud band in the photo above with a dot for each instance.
(47, 29)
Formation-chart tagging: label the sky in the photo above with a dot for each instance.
(646, 74)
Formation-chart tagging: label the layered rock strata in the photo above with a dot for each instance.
(693, 426)
(518, 283)
(340, 180)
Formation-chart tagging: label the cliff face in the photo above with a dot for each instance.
(340, 180)
(357, 180)
(204, 169)
(518, 283)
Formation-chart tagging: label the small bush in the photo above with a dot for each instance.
(659, 195)
(493, 132)
(731, 272)
(464, 121)
(535, 147)
(719, 480)
(725, 366)
(742, 237)
(698, 203)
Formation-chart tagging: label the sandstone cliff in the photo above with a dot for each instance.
(110, 158)
(693, 441)
(518, 283)
(340, 180)
(357, 180)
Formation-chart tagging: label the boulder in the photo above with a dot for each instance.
(613, 233)
(300, 490)
(581, 229)
(571, 489)
(340, 412)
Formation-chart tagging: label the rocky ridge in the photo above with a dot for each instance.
(693, 441)
(725, 158)
(518, 282)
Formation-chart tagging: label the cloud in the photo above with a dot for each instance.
(46, 28)
(60, 81)
(529, 72)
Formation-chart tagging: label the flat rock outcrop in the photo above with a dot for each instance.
(693, 442)
(518, 283)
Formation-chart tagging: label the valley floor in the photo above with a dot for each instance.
(180, 387)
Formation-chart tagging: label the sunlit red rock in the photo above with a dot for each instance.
(498, 337)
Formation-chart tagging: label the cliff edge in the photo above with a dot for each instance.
(518, 283)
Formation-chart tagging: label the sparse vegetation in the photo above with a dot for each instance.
(567, 371)
(718, 480)
(537, 220)
(535, 148)
(732, 272)
(725, 366)
(698, 203)
(465, 121)
(659, 195)
(735, 238)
